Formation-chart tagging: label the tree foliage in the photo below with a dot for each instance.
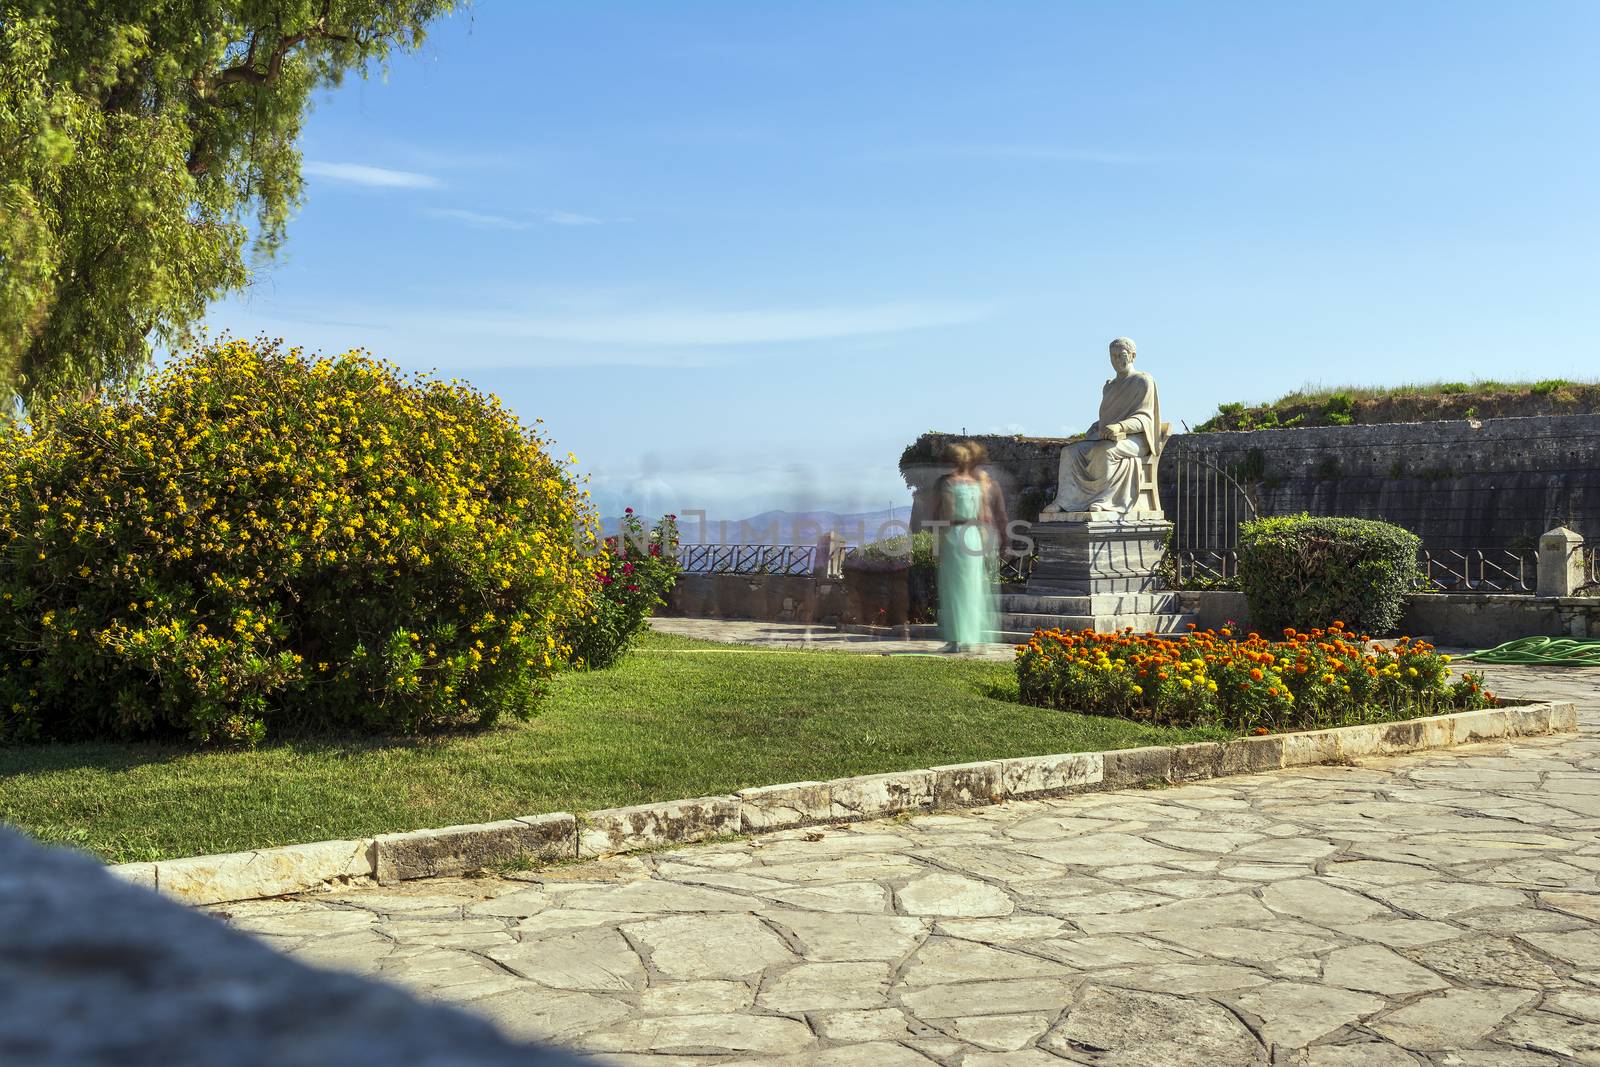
(147, 147)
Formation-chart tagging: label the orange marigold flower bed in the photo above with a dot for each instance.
(1307, 680)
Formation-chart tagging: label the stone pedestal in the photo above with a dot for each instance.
(1096, 573)
(1561, 571)
(1090, 554)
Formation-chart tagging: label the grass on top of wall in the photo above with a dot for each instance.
(676, 718)
(1318, 405)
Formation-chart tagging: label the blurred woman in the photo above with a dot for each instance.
(995, 518)
(966, 602)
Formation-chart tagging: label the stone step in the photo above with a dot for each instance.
(1162, 603)
(1144, 622)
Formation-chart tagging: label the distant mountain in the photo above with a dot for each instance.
(790, 527)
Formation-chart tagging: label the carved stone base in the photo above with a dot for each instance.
(1098, 555)
(1053, 517)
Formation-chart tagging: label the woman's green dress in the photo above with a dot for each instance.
(966, 601)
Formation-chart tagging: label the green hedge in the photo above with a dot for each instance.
(1309, 572)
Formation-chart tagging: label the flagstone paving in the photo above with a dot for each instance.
(1438, 909)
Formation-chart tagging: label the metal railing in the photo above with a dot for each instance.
(1197, 568)
(746, 559)
(1208, 505)
(1496, 570)
(1014, 570)
(1444, 570)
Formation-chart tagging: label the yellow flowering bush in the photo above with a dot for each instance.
(260, 541)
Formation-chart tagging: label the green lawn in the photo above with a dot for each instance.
(677, 718)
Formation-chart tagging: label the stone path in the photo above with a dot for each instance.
(1439, 909)
(788, 635)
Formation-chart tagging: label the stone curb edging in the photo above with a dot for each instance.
(456, 850)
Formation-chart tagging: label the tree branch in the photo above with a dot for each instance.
(247, 71)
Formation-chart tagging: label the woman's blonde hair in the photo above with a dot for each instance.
(958, 454)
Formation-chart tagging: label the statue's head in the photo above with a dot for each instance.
(1122, 354)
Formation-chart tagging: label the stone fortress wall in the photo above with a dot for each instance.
(1459, 485)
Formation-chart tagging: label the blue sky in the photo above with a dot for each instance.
(737, 255)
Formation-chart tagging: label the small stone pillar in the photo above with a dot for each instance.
(828, 560)
(1560, 562)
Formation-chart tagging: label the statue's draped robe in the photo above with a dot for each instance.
(1098, 475)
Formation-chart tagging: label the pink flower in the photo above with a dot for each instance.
(627, 568)
(632, 588)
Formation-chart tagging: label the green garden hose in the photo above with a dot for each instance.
(1544, 651)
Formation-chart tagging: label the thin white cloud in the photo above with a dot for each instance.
(1053, 152)
(371, 177)
(696, 328)
(591, 331)
(571, 218)
(481, 220)
(1040, 152)
(477, 219)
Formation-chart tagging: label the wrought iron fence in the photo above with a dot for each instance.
(1199, 568)
(746, 559)
(1444, 571)
(1496, 570)
(1207, 506)
(1014, 569)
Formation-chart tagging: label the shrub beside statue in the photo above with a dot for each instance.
(1309, 572)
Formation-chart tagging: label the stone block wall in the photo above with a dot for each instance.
(764, 597)
(1455, 620)
(1483, 621)
(1026, 468)
(886, 596)
(1500, 483)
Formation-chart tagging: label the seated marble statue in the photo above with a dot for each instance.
(1103, 473)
